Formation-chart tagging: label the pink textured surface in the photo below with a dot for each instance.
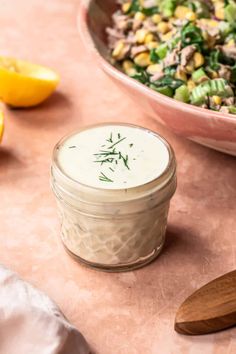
(129, 313)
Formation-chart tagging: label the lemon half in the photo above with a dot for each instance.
(23, 84)
(1, 125)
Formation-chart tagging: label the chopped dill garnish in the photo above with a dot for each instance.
(111, 155)
(110, 139)
(119, 141)
(130, 145)
(105, 160)
(125, 160)
(104, 178)
(72, 147)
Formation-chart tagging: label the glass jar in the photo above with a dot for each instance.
(114, 229)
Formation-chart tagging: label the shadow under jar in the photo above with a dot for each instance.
(113, 184)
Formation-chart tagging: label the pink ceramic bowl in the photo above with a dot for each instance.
(209, 128)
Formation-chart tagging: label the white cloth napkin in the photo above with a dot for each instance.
(30, 323)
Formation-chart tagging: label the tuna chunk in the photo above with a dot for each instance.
(225, 72)
(172, 58)
(147, 4)
(157, 76)
(229, 51)
(186, 54)
(138, 49)
(229, 101)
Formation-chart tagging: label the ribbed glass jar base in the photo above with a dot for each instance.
(126, 267)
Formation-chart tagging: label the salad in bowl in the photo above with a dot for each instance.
(184, 49)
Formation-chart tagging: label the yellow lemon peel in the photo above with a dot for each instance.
(24, 84)
(1, 125)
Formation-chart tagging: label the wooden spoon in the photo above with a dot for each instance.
(210, 309)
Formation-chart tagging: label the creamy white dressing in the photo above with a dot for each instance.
(113, 156)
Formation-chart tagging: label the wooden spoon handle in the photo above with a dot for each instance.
(210, 309)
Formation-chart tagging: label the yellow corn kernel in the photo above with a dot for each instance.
(181, 75)
(127, 65)
(154, 68)
(142, 59)
(191, 84)
(140, 35)
(126, 6)
(139, 16)
(219, 10)
(213, 75)
(190, 67)
(152, 45)
(198, 59)
(131, 72)
(190, 16)
(149, 38)
(217, 99)
(163, 27)
(212, 23)
(181, 11)
(156, 18)
(118, 50)
(167, 36)
(230, 43)
(205, 35)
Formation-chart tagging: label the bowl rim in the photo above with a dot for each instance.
(83, 29)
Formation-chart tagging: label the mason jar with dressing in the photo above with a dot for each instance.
(113, 184)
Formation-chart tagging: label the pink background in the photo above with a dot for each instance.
(127, 313)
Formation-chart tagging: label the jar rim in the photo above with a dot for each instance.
(139, 189)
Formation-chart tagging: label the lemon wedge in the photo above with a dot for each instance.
(23, 84)
(1, 125)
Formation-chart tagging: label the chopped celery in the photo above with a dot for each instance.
(182, 94)
(199, 74)
(158, 53)
(161, 51)
(232, 109)
(217, 87)
(167, 7)
(220, 87)
(225, 28)
(230, 12)
(165, 90)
